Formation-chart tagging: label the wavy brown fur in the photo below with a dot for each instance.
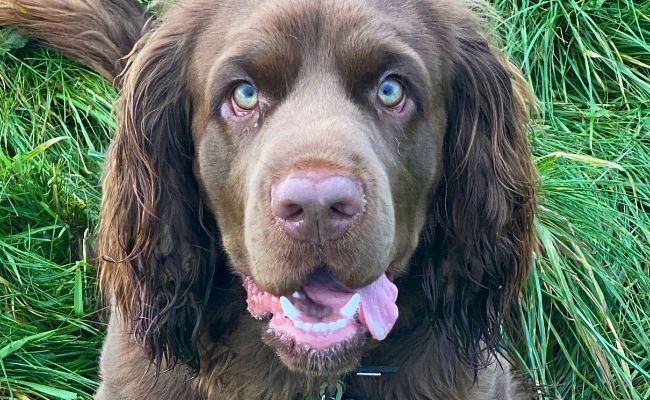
(183, 189)
(162, 224)
(485, 234)
(89, 31)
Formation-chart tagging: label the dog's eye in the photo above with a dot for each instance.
(390, 92)
(245, 96)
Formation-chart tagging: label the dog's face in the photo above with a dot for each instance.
(315, 142)
(318, 136)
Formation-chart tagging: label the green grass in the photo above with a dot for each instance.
(55, 123)
(586, 309)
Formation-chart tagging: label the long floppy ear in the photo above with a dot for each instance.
(158, 245)
(483, 213)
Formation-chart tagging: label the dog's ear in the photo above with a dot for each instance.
(483, 214)
(158, 245)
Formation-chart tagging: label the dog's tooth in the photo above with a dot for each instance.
(351, 307)
(298, 324)
(289, 309)
(336, 325)
(296, 295)
(320, 327)
(308, 326)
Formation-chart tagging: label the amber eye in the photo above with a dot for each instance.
(390, 92)
(245, 96)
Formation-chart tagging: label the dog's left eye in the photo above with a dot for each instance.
(244, 96)
(390, 92)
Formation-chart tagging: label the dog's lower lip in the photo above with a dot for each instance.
(339, 358)
(315, 333)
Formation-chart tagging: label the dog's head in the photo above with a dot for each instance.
(319, 144)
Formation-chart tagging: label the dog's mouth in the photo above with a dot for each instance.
(324, 316)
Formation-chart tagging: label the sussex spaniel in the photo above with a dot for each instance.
(302, 190)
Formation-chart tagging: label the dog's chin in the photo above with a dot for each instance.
(337, 359)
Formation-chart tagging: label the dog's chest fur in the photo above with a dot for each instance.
(244, 368)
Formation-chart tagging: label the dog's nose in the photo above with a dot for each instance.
(316, 206)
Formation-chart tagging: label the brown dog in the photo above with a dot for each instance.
(300, 188)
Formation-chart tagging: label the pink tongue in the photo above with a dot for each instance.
(327, 292)
(377, 312)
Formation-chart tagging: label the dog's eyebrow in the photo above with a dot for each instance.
(363, 68)
(271, 65)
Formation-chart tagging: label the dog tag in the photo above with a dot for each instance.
(324, 395)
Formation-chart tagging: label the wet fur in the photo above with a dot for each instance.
(177, 191)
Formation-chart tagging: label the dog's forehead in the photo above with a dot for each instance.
(280, 37)
(281, 45)
(313, 22)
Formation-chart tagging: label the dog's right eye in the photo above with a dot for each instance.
(390, 92)
(244, 98)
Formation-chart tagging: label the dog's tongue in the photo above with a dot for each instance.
(377, 310)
